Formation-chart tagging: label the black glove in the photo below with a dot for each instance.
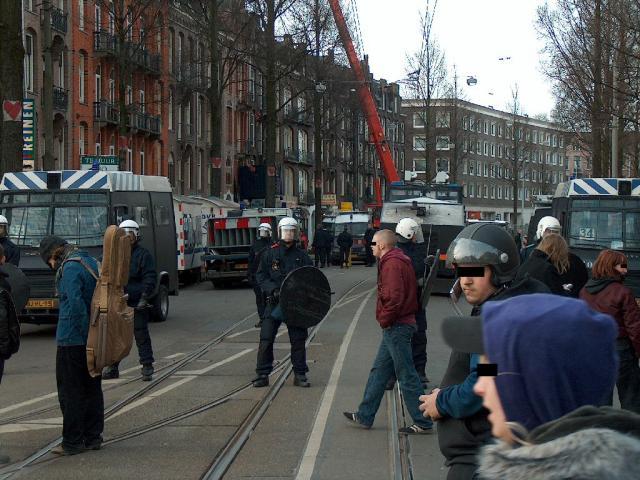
(275, 296)
(143, 302)
(430, 261)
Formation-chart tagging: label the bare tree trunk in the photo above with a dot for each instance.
(596, 110)
(215, 100)
(47, 91)
(11, 84)
(271, 107)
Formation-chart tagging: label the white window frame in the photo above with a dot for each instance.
(142, 161)
(440, 139)
(415, 143)
(81, 15)
(170, 113)
(82, 74)
(418, 116)
(82, 135)
(142, 100)
(29, 62)
(441, 160)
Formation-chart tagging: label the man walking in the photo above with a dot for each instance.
(345, 242)
(395, 312)
(141, 286)
(79, 394)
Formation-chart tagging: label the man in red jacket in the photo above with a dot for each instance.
(395, 312)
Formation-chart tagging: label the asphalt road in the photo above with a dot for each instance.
(302, 435)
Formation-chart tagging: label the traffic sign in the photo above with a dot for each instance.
(99, 162)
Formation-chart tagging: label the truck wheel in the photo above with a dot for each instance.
(160, 309)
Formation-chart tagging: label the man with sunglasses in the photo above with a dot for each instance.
(486, 260)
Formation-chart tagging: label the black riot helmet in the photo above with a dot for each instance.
(485, 244)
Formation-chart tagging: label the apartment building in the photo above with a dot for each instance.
(498, 157)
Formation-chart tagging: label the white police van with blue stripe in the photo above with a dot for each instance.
(78, 205)
(598, 214)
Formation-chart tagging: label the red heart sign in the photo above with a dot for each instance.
(12, 110)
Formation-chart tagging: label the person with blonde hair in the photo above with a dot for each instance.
(548, 263)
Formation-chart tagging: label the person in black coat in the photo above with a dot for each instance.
(11, 250)
(9, 325)
(368, 238)
(345, 242)
(140, 288)
(547, 263)
(322, 242)
(262, 243)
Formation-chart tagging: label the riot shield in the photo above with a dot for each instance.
(305, 297)
(19, 285)
(429, 281)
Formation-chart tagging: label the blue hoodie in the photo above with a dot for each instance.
(75, 286)
(553, 354)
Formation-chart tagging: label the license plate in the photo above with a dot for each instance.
(241, 266)
(38, 303)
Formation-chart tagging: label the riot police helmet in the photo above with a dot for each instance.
(131, 228)
(264, 230)
(548, 224)
(407, 229)
(4, 226)
(287, 229)
(486, 245)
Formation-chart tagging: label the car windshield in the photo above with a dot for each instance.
(82, 225)
(605, 229)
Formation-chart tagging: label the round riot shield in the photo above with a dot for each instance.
(19, 285)
(305, 297)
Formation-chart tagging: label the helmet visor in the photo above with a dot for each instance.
(465, 251)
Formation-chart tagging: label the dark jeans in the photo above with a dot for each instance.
(268, 331)
(419, 343)
(80, 397)
(259, 301)
(462, 471)
(321, 256)
(344, 255)
(394, 355)
(370, 260)
(628, 381)
(141, 334)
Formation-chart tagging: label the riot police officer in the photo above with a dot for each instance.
(141, 286)
(262, 243)
(11, 250)
(407, 233)
(282, 258)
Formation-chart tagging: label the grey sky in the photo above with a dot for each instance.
(473, 34)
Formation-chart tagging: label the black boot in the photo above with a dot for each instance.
(110, 373)
(300, 380)
(147, 372)
(261, 381)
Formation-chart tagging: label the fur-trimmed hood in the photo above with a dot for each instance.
(588, 444)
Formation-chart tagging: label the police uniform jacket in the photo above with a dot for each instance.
(322, 239)
(277, 262)
(11, 251)
(255, 253)
(9, 326)
(416, 253)
(345, 240)
(142, 275)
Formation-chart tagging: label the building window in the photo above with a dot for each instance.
(112, 87)
(420, 166)
(500, 131)
(465, 122)
(442, 164)
(98, 18)
(443, 119)
(199, 117)
(493, 129)
(419, 143)
(98, 144)
(479, 147)
(141, 98)
(442, 143)
(492, 171)
(471, 167)
(418, 120)
(28, 62)
(499, 192)
(82, 65)
(493, 149)
(485, 191)
(142, 162)
(485, 150)
(555, 140)
(485, 169)
(493, 191)
(199, 170)
(82, 139)
(81, 15)
(98, 83)
(171, 107)
(485, 127)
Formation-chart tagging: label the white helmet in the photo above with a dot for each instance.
(407, 228)
(548, 223)
(287, 224)
(129, 226)
(3, 220)
(4, 226)
(264, 230)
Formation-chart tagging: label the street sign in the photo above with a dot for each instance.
(28, 133)
(100, 162)
(329, 199)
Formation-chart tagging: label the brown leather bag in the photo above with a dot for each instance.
(111, 319)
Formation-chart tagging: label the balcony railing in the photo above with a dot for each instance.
(306, 198)
(294, 115)
(298, 156)
(105, 42)
(145, 122)
(190, 75)
(106, 112)
(58, 19)
(248, 147)
(249, 99)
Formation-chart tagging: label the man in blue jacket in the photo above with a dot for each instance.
(79, 394)
(141, 287)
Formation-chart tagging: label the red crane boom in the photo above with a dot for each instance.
(367, 103)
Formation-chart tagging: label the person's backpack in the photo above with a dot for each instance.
(111, 319)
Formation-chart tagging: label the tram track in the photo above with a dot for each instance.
(401, 467)
(226, 456)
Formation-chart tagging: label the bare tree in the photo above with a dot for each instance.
(427, 76)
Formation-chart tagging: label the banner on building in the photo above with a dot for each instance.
(28, 134)
(109, 163)
(329, 199)
(11, 110)
(216, 162)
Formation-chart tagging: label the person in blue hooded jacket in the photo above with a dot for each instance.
(79, 394)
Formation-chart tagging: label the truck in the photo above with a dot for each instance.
(357, 224)
(601, 213)
(78, 205)
(230, 239)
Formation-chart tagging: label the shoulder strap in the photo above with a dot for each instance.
(84, 264)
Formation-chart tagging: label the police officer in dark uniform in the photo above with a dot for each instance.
(262, 243)
(141, 286)
(11, 250)
(407, 231)
(322, 242)
(282, 258)
(345, 242)
(368, 238)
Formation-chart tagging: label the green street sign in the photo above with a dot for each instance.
(99, 162)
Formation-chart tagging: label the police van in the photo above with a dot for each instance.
(601, 213)
(357, 224)
(78, 205)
